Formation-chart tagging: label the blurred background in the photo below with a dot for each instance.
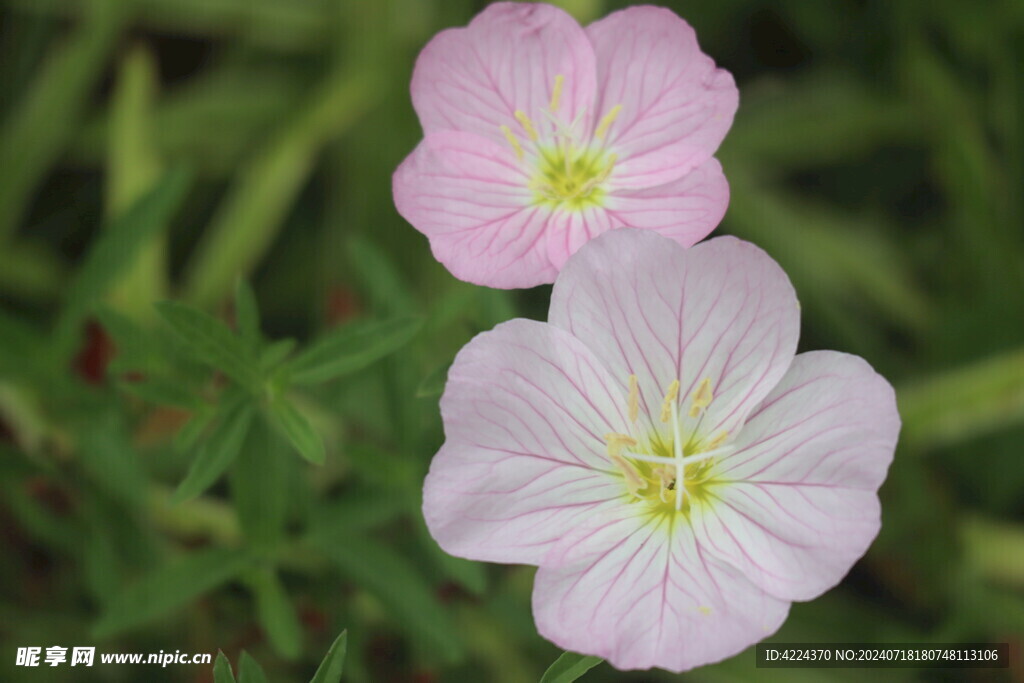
(172, 150)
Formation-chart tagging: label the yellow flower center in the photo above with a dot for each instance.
(565, 172)
(669, 467)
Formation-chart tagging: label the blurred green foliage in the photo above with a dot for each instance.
(189, 476)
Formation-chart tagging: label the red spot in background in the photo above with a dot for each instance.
(95, 354)
(313, 619)
(342, 305)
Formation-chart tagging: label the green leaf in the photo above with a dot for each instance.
(222, 669)
(168, 588)
(399, 587)
(192, 430)
(276, 613)
(247, 313)
(162, 392)
(299, 431)
(352, 348)
(387, 289)
(249, 670)
(212, 342)
(260, 487)
(261, 196)
(434, 383)
(331, 667)
(965, 402)
(116, 247)
(569, 667)
(133, 166)
(276, 353)
(217, 453)
(35, 132)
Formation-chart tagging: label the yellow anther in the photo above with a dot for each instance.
(667, 475)
(527, 124)
(718, 440)
(668, 405)
(616, 442)
(607, 121)
(633, 402)
(701, 398)
(556, 93)
(706, 611)
(511, 137)
(634, 482)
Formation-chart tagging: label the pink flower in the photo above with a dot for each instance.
(677, 474)
(540, 135)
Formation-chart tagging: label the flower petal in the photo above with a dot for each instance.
(525, 411)
(686, 210)
(801, 506)
(570, 230)
(474, 79)
(721, 310)
(676, 106)
(469, 196)
(636, 590)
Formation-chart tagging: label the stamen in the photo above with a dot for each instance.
(634, 482)
(511, 137)
(670, 397)
(705, 610)
(633, 402)
(527, 124)
(607, 121)
(668, 481)
(701, 398)
(556, 93)
(617, 441)
(719, 439)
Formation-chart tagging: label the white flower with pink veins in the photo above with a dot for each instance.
(657, 449)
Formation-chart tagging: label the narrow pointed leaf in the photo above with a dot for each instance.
(569, 667)
(332, 666)
(352, 348)
(217, 454)
(247, 313)
(299, 432)
(276, 614)
(211, 342)
(249, 670)
(222, 669)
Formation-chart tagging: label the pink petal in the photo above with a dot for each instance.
(721, 310)
(469, 197)
(676, 106)
(635, 589)
(686, 210)
(570, 230)
(525, 411)
(474, 79)
(801, 506)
